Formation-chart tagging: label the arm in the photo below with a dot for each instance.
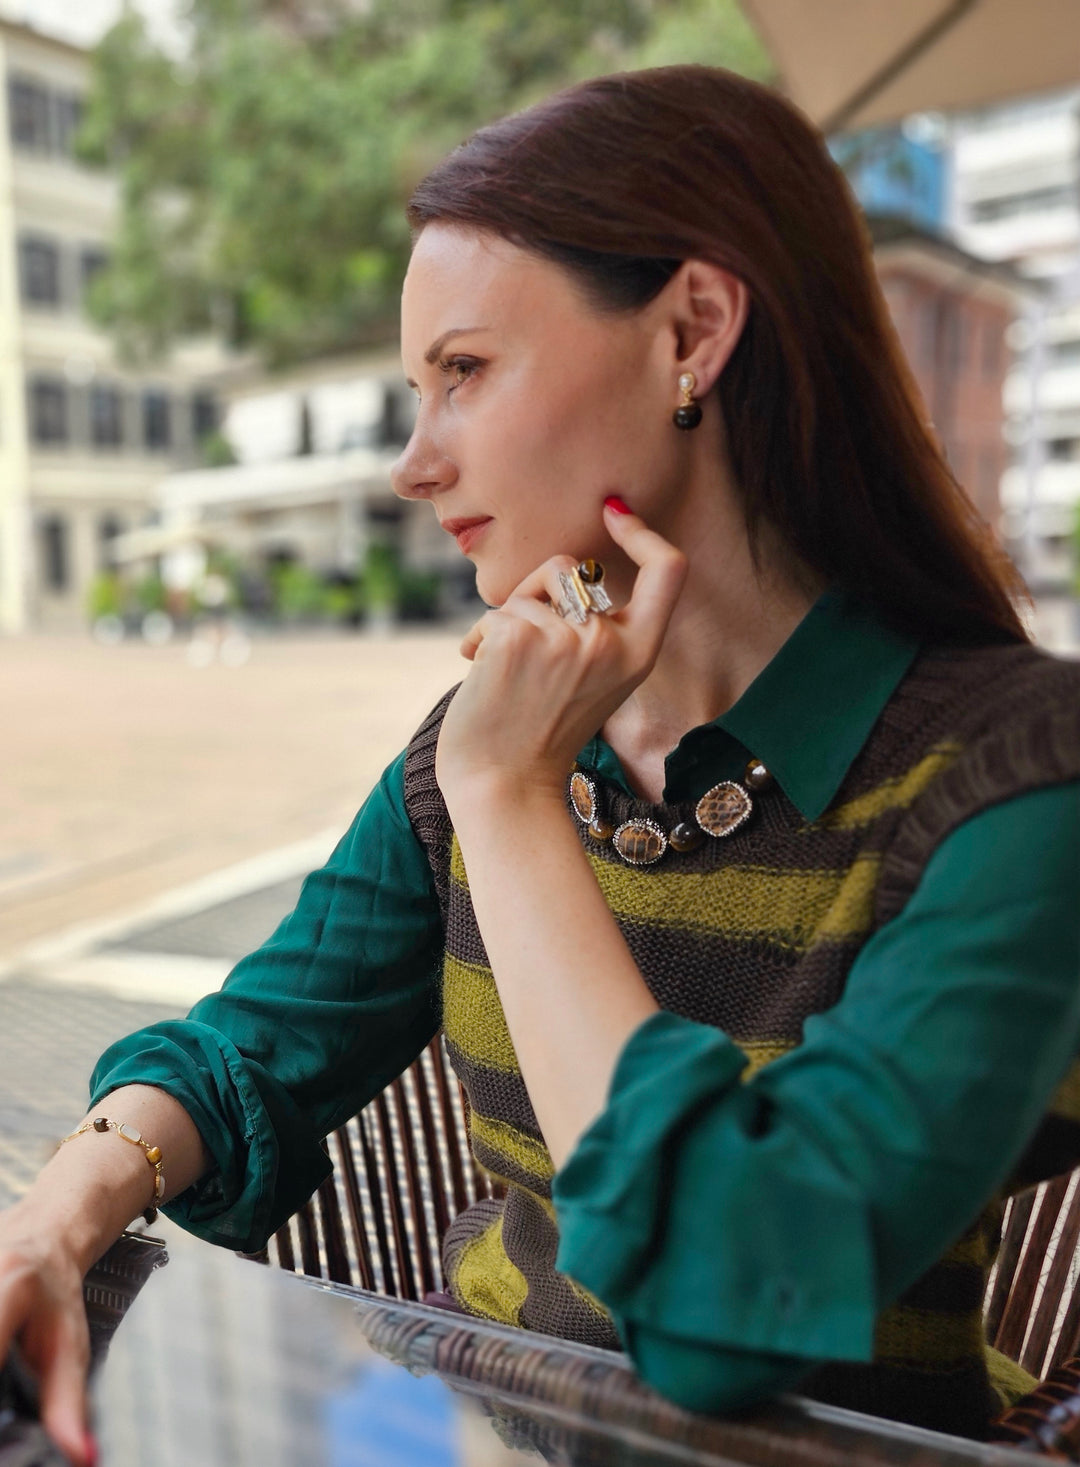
(925, 1082)
(335, 1004)
(239, 1095)
(78, 1206)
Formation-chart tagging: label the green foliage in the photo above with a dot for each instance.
(263, 176)
(299, 593)
(381, 578)
(215, 450)
(150, 594)
(105, 596)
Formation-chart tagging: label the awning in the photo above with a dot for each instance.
(851, 63)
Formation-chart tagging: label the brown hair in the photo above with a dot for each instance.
(619, 180)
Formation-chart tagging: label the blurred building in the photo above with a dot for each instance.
(1015, 197)
(311, 482)
(83, 441)
(952, 313)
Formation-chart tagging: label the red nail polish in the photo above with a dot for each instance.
(618, 505)
(90, 1449)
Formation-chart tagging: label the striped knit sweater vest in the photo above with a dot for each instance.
(754, 934)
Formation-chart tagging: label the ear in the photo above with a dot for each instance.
(708, 308)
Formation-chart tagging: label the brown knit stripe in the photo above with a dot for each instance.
(531, 1240)
(495, 1092)
(952, 1288)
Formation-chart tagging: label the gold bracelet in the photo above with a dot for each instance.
(129, 1133)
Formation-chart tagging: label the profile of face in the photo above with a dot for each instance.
(533, 406)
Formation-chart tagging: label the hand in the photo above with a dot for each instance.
(41, 1306)
(541, 687)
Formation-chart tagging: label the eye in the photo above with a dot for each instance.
(459, 370)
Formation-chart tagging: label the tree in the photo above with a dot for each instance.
(263, 173)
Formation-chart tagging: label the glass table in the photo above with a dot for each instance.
(220, 1362)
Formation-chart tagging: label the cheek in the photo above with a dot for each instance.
(562, 435)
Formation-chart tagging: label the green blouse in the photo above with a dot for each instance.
(925, 1081)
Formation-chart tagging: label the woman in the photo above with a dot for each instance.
(777, 1002)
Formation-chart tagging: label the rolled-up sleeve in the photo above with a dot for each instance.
(306, 1029)
(743, 1230)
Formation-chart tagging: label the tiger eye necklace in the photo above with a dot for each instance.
(641, 841)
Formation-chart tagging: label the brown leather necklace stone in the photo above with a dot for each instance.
(723, 809)
(641, 841)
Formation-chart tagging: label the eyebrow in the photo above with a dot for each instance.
(434, 351)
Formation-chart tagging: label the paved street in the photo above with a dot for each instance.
(155, 825)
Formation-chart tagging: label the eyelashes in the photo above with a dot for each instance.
(461, 369)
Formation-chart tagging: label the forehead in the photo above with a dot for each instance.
(458, 277)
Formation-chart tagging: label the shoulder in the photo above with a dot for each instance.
(1010, 719)
(424, 803)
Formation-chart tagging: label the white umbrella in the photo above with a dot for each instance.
(852, 63)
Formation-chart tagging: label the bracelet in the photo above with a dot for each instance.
(129, 1133)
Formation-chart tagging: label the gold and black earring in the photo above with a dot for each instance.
(688, 414)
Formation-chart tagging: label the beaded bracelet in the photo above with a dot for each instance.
(129, 1133)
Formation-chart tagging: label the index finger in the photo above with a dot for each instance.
(660, 578)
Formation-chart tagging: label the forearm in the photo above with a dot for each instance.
(97, 1183)
(570, 989)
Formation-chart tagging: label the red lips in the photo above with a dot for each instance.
(466, 530)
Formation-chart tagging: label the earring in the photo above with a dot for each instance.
(688, 414)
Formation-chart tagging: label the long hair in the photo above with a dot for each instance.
(622, 178)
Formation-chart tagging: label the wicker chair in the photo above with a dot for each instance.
(403, 1169)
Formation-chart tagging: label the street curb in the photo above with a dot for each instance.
(71, 957)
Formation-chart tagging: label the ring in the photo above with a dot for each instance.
(583, 593)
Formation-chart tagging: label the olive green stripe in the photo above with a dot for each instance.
(791, 909)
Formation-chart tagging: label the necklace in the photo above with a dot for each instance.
(641, 841)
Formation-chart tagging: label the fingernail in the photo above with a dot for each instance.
(90, 1450)
(618, 505)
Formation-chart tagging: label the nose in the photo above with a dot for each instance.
(423, 469)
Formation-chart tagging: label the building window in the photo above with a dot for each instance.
(28, 103)
(39, 271)
(48, 410)
(106, 416)
(1063, 450)
(55, 567)
(156, 420)
(109, 528)
(92, 260)
(67, 118)
(204, 415)
(1032, 201)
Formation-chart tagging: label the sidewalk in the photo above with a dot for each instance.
(65, 1000)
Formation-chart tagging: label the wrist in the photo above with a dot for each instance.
(497, 796)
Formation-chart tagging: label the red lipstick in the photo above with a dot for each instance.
(467, 531)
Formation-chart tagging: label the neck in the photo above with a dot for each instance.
(733, 616)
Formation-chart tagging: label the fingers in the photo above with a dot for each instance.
(518, 606)
(63, 1391)
(47, 1322)
(659, 580)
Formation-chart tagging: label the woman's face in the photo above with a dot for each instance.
(533, 407)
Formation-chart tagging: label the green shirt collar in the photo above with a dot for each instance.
(806, 715)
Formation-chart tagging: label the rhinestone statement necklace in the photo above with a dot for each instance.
(641, 842)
